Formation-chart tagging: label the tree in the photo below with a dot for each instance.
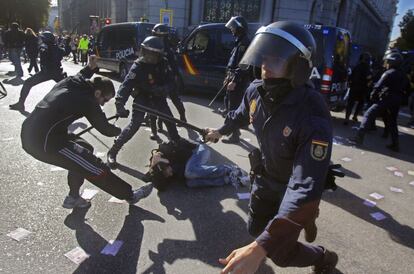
(406, 40)
(29, 13)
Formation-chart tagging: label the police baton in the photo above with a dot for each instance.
(170, 119)
(219, 92)
(91, 127)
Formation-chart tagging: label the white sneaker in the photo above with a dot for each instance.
(140, 193)
(71, 202)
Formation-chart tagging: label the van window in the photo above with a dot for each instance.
(342, 47)
(199, 42)
(126, 37)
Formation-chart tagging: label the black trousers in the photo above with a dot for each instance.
(76, 155)
(38, 78)
(33, 63)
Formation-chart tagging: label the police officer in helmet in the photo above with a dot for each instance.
(50, 67)
(387, 96)
(294, 131)
(163, 31)
(149, 82)
(236, 79)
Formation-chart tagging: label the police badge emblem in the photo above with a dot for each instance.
(287, 131)
(319, 150)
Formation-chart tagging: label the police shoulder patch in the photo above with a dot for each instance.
(319, 150)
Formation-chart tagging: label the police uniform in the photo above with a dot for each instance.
(388, 94)
(149, 84)
(45, 135)
(50, 69)
(293, 127)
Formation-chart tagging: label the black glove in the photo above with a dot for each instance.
(121, 111)
(333, 172)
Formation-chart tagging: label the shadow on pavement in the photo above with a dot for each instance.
(126, 259)
(348, 201)
(373, 141)
(217, 232)
(16, 81)
(132, 172)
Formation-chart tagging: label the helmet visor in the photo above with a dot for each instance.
(149, 56)
(271, 53)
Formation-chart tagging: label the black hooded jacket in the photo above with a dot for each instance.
(70, 99)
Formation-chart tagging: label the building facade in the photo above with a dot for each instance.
(369, 21)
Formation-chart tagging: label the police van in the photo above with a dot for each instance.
(330, 68)
(203, 56)
(118, 45)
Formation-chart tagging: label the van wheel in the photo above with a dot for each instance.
(123, 71)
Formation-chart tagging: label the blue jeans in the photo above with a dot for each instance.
(198, 174)
(14, 56)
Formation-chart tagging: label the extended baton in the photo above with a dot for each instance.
(91, 127)
(218, 93)
(169, 118)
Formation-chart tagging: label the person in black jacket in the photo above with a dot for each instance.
(32, 49)
(50, 68)
(45, 135)
(360, 78)
(14, 42)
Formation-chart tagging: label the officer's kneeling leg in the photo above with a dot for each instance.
(263, 207)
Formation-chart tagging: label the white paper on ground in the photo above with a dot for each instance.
(116, 200)
(346, 159)
(89, 193)
(399, 174)
(19, 234)
(77, 255)
(396, 189)
(40, 184)
(7, 139)
(100, 154)
(243, 196)
(56, 168)
(376, 196)
(112, 247)
(370, 203)
(378, 216)
(391, 168)
(410, 172)
(411, 183)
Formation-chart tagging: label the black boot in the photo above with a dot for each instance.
(327, 264)
(17, 106)
(394, 147)
(358, 139)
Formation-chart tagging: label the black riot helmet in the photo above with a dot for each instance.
(284, 48)
(152, 50)
(161, 30)
(238, 25)
(394, 59)
(48, 38)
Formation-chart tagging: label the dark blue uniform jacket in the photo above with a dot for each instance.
(146, 80)
(240, 47)
(295, 139)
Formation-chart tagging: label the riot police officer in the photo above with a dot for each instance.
(236, 79)
(163, 31)
(387, 96)
(294, 131)
(50, 67)
(149, 82)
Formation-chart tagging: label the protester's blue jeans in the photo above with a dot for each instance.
(199, 174)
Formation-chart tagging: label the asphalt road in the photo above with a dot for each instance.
(186, 230)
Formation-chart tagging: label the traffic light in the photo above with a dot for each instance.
(108, 21)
